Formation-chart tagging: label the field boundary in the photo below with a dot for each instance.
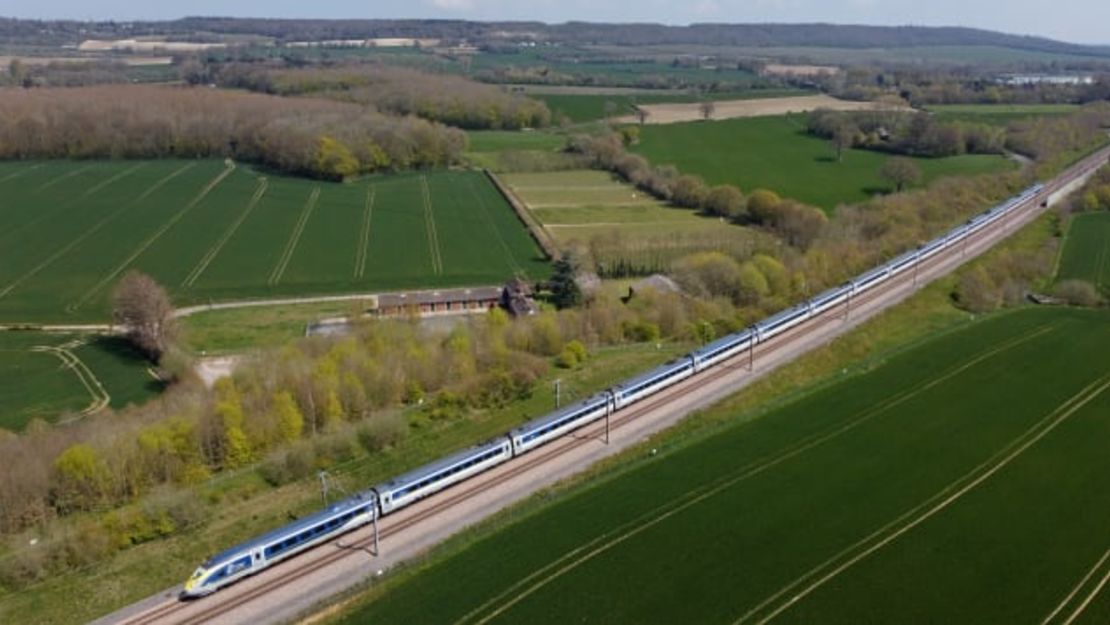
(295, 236)
(88, 233)
(88, 295)
(930, 507)
(430, 225)
(537, 230)
(210, 255)
(364, 237)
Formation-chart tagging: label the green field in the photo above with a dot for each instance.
(998, 114)
(959, 482)
(1086, 253)
(49, 376)
(69, 230)
(775, 153)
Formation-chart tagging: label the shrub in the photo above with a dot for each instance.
(382, 432)
(1078, 293)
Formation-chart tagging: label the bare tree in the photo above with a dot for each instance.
(900, 171)
(642, 114)
(707, 108)
(610, 108)
(144, 309)
(843, 138)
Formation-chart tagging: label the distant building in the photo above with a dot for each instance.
(1018, 80)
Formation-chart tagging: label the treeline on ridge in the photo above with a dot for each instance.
(312, 137)
(444, 98)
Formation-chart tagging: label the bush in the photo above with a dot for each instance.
(382, 432)
(566, 360)
(1078, 293)
(977, 292)
(642, 332)
(578, 349)
(289, 465)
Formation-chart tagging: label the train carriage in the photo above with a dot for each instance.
(434, 477)
(551, 426)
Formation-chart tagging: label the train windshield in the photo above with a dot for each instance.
(197, 574)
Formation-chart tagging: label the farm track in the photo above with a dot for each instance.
(294, 237)
(364, 236)
(892, 292)
(138, 251)
(91, 230)
(201, 266)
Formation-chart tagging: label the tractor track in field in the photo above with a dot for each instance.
(100, 397)
(1084, 584)
(90, 231)
(705, 388)
(17, 174)
(66, 176)
(789, 595)
(214, 251)
(430, 227)
(145, 245)
(364, 234)
(295, 237)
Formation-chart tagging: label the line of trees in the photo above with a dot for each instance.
(794, 222)
(445, 98)
(911, 133)
(303, 136)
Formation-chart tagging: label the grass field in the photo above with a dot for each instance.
(49, 376)
(969, 468)
(578, 205)
(69, 230)
(1086, 253)
(775, 153)
(998, 114)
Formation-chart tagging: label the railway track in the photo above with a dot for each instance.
(299, 567)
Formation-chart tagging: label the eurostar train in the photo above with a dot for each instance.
(255, 555)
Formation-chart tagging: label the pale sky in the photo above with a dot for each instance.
(1079, 21)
